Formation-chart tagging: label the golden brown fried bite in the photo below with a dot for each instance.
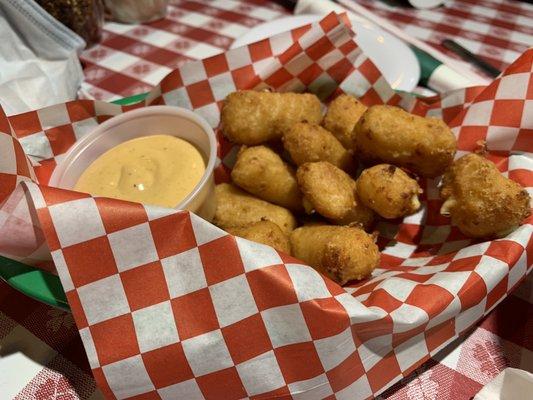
(389, 191)
(250, 117)
(341, 117)
(307, 142)
(481, 202)
(260, 171)
(425, 146)
(342, 253)
(238, 208)
(265, 232)
(331, 192)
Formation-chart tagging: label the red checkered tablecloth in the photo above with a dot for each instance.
(132, 59)
(41, 354)
(496, 30)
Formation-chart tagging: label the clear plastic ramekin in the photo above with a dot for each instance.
(146, 121)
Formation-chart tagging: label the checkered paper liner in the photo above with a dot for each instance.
(169, 306)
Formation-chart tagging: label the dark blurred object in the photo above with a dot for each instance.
(136, 11)
(466, 55)
(85, 17)
(288, 4)
(421, 4)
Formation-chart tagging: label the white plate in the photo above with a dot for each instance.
(394, 58)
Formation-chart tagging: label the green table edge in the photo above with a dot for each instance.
(36, 283)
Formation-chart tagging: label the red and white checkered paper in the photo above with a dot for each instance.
(169, 306)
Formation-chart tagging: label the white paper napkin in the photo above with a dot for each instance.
(39, 63)
(510, 384)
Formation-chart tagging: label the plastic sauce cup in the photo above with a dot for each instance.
(153, 120)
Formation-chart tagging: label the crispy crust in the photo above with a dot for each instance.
(237, 208)
(250, 117)
(481, 202)
(426, 146)
(389, 191)
(260, 171)
(340, 252)
(265, 232)
(331, 192)
(311, 143)
(341, 117)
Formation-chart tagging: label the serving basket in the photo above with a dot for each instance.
(170, 306)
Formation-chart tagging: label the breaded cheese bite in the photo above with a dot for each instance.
(265, 232)
(332, 193)
(307, 142)
(480, 201)
(425, 146)
(340, 252)
(262, 172)
(389, 191)
(251, 117)
(238, 208)
(341, 117)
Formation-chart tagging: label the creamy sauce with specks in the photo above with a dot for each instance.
(159, 170)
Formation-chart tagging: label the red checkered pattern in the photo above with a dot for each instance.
(457, 372)
(133, 59)
(168, 306)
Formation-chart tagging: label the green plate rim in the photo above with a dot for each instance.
(37, 283)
